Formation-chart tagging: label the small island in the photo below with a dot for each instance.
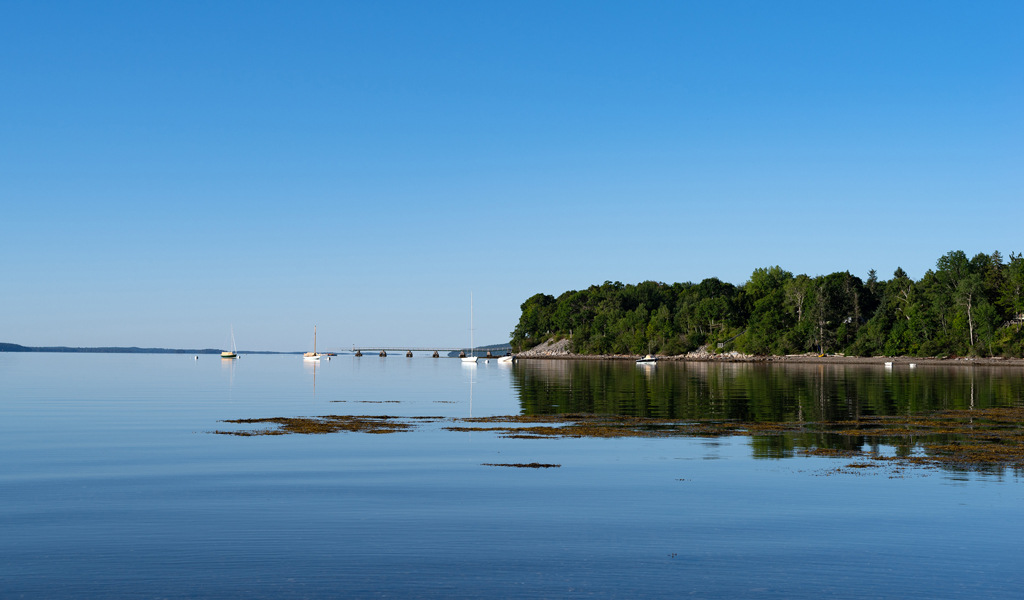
(965, 307)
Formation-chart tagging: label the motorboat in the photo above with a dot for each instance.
(650, 359)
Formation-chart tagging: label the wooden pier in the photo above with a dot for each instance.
(382, 351)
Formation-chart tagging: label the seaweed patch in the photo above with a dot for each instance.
(317, 425)
(522, 465)
(957, 439)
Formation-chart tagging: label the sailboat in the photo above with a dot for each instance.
(312, 355)
(472, 357)
(230, 353)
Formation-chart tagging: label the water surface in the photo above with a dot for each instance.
(111, 486)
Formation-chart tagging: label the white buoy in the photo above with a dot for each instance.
(197, 358)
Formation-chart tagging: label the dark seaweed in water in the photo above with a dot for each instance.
(522, 465)
(959, 439)
(327, 424)
(963, 439)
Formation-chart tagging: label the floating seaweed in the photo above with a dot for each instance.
(958, 439)
(324, 424)
(981, 439)
(522, 465)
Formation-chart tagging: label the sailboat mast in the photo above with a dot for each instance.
(314, 339)
(472, 347)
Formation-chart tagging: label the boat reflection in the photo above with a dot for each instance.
(310, 367)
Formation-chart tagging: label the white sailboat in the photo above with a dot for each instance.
(230, 353)
(471, 358)
(312, 355)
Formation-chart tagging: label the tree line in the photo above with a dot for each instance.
(962, 307)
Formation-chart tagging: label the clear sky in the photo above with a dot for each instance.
(170, 169)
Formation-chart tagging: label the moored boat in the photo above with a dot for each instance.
(312, 355)
(472, 355)
(650, 359)
(230, 353)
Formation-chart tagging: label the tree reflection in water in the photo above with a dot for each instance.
(757, 391)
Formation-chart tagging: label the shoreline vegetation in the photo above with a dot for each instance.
(964, 308)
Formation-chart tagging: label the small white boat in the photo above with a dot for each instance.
(312, 355)
(506, 359)
(650, 359)
(471, 358)
(230, 353)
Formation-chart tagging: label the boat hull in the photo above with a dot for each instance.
(470, 359)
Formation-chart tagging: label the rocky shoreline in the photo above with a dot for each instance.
(559, 350)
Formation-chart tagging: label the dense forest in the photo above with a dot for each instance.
(963, 307)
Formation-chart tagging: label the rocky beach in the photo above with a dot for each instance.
(559, 350)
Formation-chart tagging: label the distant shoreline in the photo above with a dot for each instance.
(124, 350)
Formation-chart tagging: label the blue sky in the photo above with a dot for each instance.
(170, 169)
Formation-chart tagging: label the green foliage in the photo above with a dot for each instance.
(963, 307)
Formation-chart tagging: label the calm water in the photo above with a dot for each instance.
(111, 487)
(758, 391)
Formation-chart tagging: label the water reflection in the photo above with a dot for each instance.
(228, 365)
(758, 391)
(310, 367)
(751, 392)
(470, 367)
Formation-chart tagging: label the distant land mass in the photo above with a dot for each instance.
(482, 350)
(4, 347)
